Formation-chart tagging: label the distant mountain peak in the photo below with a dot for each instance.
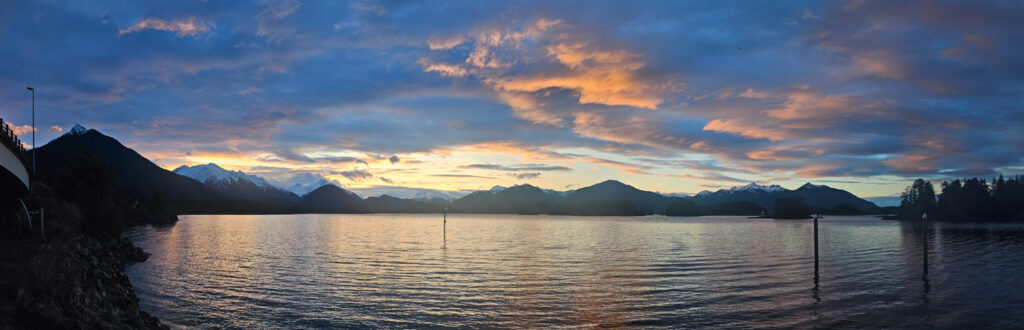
(811, 185)
(213, 173)
(334, 187)
(753, 186)
(497, 189)
(77, 130)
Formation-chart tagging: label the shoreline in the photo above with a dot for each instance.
(74, 283)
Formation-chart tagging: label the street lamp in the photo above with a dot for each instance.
(30, 188)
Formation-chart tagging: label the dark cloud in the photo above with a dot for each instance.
(339, 159)
(519, 167)
(461, 176)
(355, 175)
(527, 176)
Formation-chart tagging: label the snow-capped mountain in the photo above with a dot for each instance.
(421, 194)
(236, 184)
(557, 193)
(77, 130)
(498, 189)
(303, 183)
(213, 174)
(820, 196)
(755, 187)
(303, 189)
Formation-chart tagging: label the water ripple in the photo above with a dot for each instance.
(495, 271)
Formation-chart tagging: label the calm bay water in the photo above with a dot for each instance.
(506, 271)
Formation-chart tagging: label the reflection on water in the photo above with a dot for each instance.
(415, 271)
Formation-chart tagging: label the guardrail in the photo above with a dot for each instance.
(11, 140)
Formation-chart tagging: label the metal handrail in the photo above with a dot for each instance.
(12, 141)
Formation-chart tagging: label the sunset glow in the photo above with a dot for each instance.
(669, 97)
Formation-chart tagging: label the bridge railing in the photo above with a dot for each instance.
(11, 140)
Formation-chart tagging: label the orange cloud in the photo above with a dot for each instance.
(737, 126)
(23, 129)
(806, 104)
(529, 108)
(570, 61)
(915, 163)
(767, 155)
(631, 130)
(816, 170)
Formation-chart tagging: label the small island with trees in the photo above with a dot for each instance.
(971, 199)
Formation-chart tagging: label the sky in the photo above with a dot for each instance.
(673, 96)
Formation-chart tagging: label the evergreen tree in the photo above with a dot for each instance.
(918, 199)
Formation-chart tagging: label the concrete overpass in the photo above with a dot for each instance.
(14, 173)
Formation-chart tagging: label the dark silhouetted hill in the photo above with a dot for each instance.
(819, 197)
(139, 177)
(645, 202)
(388, 204)
(331, 199)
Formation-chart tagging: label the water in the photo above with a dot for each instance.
(506, 271)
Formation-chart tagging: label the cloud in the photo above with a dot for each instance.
(518, 167)
(394, 159)
(527, 176)
(447, 70)
(445, 43)
(461, 176)
(190, 26)
(879, 64)
(355, 174)
(678, 94)
(56, 129)
(746, 129)
(21, 130)
(338, 159)
(522, 64)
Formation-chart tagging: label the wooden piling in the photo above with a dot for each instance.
(924, 239)
(815, 245)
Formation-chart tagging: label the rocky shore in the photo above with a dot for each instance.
(76, 283)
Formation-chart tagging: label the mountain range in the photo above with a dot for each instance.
(237, 184)
(211, 188)
(817, 196)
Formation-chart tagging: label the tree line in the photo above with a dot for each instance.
(965, 200)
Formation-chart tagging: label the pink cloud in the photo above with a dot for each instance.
(186, 27)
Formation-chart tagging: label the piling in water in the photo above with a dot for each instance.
(815, 245)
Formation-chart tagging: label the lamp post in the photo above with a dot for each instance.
(30, 185)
